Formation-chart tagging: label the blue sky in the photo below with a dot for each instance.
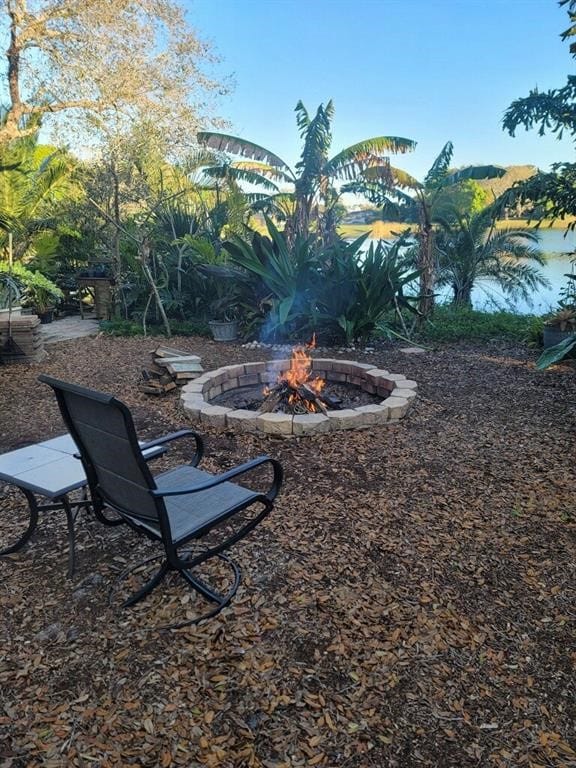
(429, 70)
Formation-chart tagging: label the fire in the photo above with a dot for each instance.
(300, 371)
(302, 392)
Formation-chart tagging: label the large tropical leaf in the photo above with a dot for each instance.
(388, 173)
(270, 171)
(302, 117)
(233, 173)
(317, 140)
(354, 159)
(281, 205)
(556, 353)
(440, 166)
(237, 146)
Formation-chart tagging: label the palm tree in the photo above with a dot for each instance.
(33, 180)
(473, 249)
(425, 202)
(313, 178)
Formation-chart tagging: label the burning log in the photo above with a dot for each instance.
(295, 390)
(300, 399)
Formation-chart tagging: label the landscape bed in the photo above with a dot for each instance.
(409, 603)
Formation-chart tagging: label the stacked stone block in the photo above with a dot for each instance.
(397, 393)
(24, 330)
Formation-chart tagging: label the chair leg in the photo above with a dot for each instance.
(149, 585)
(33, 509)
(208, 592)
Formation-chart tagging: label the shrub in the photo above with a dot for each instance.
(129, 328)
(455, 324)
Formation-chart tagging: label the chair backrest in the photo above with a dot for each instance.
(104, 432)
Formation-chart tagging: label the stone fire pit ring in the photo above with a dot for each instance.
(396, 390)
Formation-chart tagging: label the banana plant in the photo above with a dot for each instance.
(312, 180)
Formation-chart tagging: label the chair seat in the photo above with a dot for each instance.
(189, 513)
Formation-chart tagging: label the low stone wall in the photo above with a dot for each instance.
(396, 390)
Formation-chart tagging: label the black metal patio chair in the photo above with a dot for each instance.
(175, 508)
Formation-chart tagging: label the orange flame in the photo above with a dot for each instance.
(299, 375)
(300, 371)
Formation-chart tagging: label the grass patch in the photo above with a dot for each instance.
(387, 229)
(531, 223)
(379, 230)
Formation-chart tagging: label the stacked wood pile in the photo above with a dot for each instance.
(172, 367)
(20, 340)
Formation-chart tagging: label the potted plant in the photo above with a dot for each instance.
(224, 308)
(41, 294)
(224, 323)
(559, 326)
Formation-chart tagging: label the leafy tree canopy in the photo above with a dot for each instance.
(552, 111)
(106, 61)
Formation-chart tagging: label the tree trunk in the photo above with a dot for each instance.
(426, 263)
(15, 108)
(116, 230)
(144, 253)
(462, 295)
(298, 224)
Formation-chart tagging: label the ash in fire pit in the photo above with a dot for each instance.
(342, 396)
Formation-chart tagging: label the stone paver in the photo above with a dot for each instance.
(73, 327)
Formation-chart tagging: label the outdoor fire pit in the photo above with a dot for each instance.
(300, 396)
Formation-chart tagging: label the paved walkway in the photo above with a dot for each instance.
(73, 327)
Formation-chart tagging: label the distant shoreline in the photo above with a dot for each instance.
(386, 229)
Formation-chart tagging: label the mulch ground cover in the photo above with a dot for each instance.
(411, 601)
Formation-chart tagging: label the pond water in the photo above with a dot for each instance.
(558, 249)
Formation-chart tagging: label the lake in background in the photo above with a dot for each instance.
(489, 297)
(558, 250)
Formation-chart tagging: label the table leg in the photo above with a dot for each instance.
(70, 518)
(33, 507)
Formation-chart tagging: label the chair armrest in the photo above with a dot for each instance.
(176, 436)
(232, 473)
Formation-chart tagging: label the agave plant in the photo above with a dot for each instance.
(359, 288)
(313, 178)
(288, 274)
(340, 292)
